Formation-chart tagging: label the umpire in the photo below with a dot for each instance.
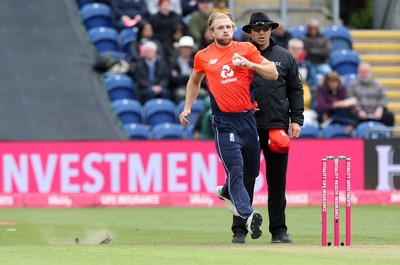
(279, 120)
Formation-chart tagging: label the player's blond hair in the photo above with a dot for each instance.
(216, 16)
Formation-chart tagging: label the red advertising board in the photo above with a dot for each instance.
(150, 173)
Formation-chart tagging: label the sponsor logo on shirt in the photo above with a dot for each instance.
(226, 73)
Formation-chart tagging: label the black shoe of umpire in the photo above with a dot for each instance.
(281, 237)
(239, 238)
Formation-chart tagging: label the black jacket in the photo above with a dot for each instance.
(280, 101)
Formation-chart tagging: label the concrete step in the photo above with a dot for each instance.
(375, 34)
(390, 82)
(384, 46)
(386, 70)
(397, 118)
(381, 58)
(394, 106)
(393, 94)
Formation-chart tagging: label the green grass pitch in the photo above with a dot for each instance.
(176, 236)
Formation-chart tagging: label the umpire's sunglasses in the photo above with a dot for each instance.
(264, 28)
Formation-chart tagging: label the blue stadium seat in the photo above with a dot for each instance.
(119, 86)
(197, 110)
(335, 130)
(137, 131)
(81, 3)
(128, 110)
(344, 61)
(159, 111)
(372, 130)
(96, 15)
(104, 39)
(310, 131)
(168, 131)
(126, 36)
(298, 31)
(339, 36)
(348, 78)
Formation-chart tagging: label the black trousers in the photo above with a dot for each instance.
(276, 167)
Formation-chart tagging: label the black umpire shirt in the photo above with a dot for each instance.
(280, 101)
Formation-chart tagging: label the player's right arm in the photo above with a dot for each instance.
(192, 91)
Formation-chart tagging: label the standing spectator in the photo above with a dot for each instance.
(151, 74)
(318, 48)
(281, 107)
(228, 67)
(371, 97)
(144, 34)
(333, 105)
(164, 22)
(128, 13)
(198, 20)
(280, 35)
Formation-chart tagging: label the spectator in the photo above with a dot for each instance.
(151, 74)
(165, 22)
(333, 105)
(371, 97)
(152, 6)
(145, 33)
(199, 18)
(280, 35)
(128, 13)
(206, 39)
(296, 49)
(182, 67)
(203, 129)
(221, 6)
(173, 42)
(318, 48)
(188, 7)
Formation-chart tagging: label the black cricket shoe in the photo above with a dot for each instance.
(253, 225)
(281, 237)
(239, 238)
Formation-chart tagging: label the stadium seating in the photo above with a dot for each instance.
(372, 130)
(119, 86)
(344, 61)
(96, 15)
(159, 111)
(337, 131)
(196, 111)
(104, 39)
(137, 131)
(348, 78)
(339, 36)
(168, 131)
(128, 110)
(298, 31)
(310, 131)
(126, 36)
(81, 3)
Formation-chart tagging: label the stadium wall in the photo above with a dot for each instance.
(181, 173)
